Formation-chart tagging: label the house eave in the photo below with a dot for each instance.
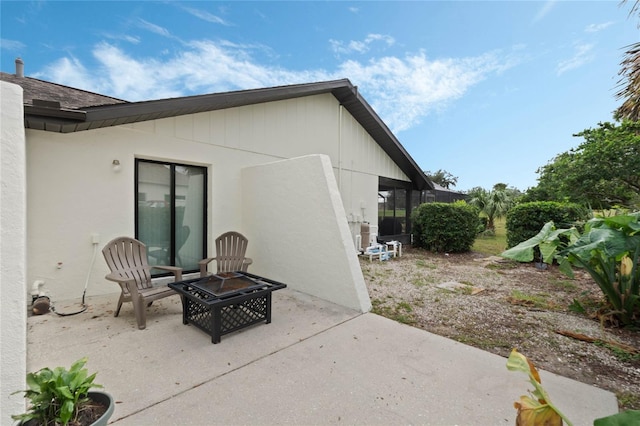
(68, 121)
(46, 113)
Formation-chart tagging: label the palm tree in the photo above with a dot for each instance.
(442, 178)
(629, 82)
(494, 203)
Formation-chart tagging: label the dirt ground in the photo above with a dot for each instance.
(498, 305)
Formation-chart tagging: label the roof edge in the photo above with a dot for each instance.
(58, 120)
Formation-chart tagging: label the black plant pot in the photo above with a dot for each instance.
(106, 399)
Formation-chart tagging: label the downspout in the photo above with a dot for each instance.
(340, 147)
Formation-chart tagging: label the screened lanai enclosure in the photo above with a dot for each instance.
(396, 201)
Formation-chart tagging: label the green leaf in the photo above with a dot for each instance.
(610, 242)
(620, 221)
(32, 382)
(64, 391)
(523, 252)
(624, 418)
(66, 411)
(548, 250)
(577, 307)
(565, 267)
(78, 379)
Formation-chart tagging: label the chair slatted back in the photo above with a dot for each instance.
(231, 248)
(127, 258)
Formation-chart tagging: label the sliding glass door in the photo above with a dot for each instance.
(171, 212)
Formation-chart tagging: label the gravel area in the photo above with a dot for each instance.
(497, 305)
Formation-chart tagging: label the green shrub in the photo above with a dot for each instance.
(525, 220)
(445, 227)
(484, 221)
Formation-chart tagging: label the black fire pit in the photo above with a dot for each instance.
(223, 303)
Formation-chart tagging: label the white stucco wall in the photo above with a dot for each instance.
(73, 191)
(297, 228)
(13, 317)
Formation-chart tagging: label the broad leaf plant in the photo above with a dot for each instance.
(608, 249)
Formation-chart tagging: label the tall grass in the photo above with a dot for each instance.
(494, 244)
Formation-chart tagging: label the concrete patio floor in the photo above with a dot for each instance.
(316, 363)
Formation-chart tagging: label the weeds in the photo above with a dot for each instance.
(419, 282)
(619, 352)
(466, 290)
(483, 342)
(423, 264)
(537, 301)
(628, 399)
(400, 312)
(566, 285)
(502, 265)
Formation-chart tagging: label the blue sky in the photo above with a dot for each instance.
(488, 91)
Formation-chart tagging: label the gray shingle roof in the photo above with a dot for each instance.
(68, 97)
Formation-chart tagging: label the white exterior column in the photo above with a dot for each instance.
(13, 214)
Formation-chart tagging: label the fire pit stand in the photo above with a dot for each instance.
(223, 303)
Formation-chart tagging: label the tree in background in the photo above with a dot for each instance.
(442, 178)
(602, 172)
(495, 203)
(630, 78)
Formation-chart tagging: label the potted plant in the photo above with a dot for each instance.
(62, 397)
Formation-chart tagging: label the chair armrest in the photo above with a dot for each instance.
(245, 263)
(118, 278)
(127, 284)
(175, 270)
(206, 261)
(203, 265)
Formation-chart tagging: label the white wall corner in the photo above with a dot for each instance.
(13, 291)
(293, 216)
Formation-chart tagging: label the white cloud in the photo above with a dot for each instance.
(594, 28)
(402, 90)
(582, 55)
(11, 44)
(388, 40)
(154, 28)
(124, 37)
(206, 16)
(134, 79)
(131, 39)
(71, 72)
(363, 46)
(544, 10)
